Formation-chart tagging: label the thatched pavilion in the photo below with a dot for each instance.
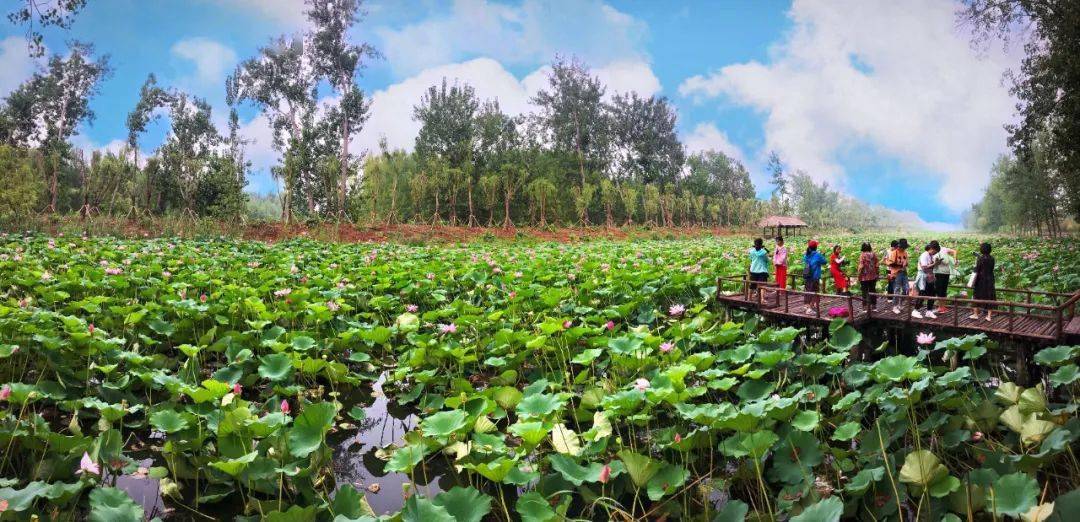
(781, 226)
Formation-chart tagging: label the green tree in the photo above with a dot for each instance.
(22, 186)
(151, 98)
(339, 61)
(280, 82)
(645, 145)
(575, 119)
(1047, 85)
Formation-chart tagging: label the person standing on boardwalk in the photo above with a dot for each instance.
(943, 272)
(836, 269)
(759, 263)
(887, 257)
(898, 264)
(812, 263)
(925, 280)
(868, 275)
(984, 286)
(780, 262)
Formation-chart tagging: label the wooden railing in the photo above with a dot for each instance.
(767, 296)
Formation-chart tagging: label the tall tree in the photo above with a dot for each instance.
(151, 98)
(645, 144)
(340, 61)
(282, 83)
(778, 180)
(61, 101)
(574, 116)
(1047, 86)
(714, 173)
(189, 147)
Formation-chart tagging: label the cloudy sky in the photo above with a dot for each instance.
(885, 100)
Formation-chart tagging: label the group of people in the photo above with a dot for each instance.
(935, 268)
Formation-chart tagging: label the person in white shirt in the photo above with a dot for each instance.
(924, 282)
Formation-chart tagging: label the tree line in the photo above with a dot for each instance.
(581, 157)
(1036, 186)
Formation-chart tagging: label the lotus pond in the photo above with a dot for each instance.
(220, 379)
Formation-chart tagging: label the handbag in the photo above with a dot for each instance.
(971, 280)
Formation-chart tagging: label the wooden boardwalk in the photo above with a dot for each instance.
(1042, 317)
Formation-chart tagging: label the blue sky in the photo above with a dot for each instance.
(886, 101)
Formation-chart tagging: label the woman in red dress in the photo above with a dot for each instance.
(836, 261)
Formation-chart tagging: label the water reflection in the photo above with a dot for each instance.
(355, 461)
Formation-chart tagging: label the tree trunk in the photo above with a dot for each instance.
(508, 194)
(543, 214)
(344, 161)
(472, 216)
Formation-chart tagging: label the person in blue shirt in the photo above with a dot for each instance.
(812, 263)
(759, 263)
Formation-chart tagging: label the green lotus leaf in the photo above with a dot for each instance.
(759, 442)
(669, 479)
(109, 504)
(405, 458)
(234, 467)
(922, 468)
(827, 510)
(533, 507)
(806, 420)
(531, 433)
(847, 431)
(864, 479)
(1014, 494)
(420, 509)
(640, 467)
(464, 504)
(1055, 356)
(275, 367)
(310, 428)
(733, 511)
(168, 421)
(444, 423)
(845, 338)
(1065, 375)
(539, 405)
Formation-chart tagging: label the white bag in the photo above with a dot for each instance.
(971, 280)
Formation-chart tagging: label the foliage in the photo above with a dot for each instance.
(22, 187)
(541, 376)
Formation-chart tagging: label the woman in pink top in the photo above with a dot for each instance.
(780, 261)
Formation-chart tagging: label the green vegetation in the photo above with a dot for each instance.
(595, 380)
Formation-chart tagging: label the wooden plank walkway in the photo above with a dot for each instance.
(1023, 320)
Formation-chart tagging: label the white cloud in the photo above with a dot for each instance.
(528, 33)
(897, 76)
(706, 136)
(212, 60)
(287, 13)
(15, 62)
(391, 112)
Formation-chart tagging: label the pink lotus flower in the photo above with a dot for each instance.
(237, 389)
(676, 310)
(924, 338)
(567, 324)
(641, 384)
(5, 393)
(166, 274)
(977, 436)
(513, 294)
(202, 298)
(293, 269)
(448, 328)
(90, 328)
(430, 276)
(282, 292)
(678, 438)
(411, 308)
(23, 303)
(88, 466)
(333, 306)
(605, 474)
(609, 326)
(114, 271)
(666, 347)
(284, 406)
(517, 275)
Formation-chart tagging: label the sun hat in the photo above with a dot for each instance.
(812, 244)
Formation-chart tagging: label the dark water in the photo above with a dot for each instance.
(354, 463)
